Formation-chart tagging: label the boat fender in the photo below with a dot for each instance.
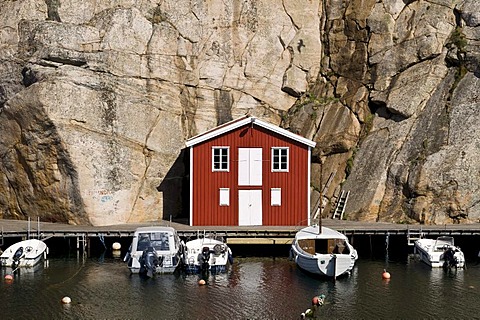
(307, 314)
(318, 301)
(18, 254)
(127, 257)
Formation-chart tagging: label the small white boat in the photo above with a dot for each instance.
(326, 253)
(154, 250)
(26, 253)
(206, 254)
(440, 252)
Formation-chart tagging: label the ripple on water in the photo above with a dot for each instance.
(253, 288)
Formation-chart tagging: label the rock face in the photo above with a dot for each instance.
(98, 98)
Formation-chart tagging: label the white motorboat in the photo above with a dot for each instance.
(206, 254)
(154, 250)
(325, 253)
(440, 252)
(26, 253)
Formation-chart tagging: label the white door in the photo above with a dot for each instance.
(249, 166)
(249, 207)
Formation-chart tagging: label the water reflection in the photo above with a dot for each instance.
(253, 288)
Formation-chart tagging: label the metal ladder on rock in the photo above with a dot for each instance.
(341, 203)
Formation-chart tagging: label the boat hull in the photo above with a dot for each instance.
(317, 253)
(33, 251)
(167, 246)
(328, 265)
(137, 268)
(206, 255)
(432, 253)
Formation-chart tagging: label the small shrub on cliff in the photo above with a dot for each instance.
(458, 39)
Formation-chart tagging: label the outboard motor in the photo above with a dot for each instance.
(149, 261)
(450, 261)
(204, 259)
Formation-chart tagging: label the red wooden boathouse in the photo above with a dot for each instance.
(249, 172)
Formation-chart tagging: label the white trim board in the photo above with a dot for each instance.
(229, 126)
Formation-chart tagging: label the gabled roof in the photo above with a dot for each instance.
(234, 124)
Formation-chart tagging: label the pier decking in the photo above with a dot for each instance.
(237, 234)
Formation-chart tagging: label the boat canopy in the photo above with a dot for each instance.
(156, 237)
(311, 232)
(157, 240)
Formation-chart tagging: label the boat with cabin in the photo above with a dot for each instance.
(440, 252)
(26, 253)
(206, 254)
(154, 250)
(323, 251)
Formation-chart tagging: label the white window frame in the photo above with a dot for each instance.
(221, 155)
(275, 197)
(279, 162)
(224, 196)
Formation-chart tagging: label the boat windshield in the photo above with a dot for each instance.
(443, 243)
(158, 240)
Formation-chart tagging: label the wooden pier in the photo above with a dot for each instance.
(234, 235)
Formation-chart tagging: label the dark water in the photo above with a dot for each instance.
(253, 288)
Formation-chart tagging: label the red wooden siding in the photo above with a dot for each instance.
(293, 184)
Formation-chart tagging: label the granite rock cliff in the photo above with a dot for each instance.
(98, 98)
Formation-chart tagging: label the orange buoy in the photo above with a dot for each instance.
(385, 274)
(201, 282)
(315, 301)
(8, 277)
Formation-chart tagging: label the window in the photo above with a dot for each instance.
(276, 197)
(279, 159)
(250, 166)
(224, 196)
(220, 159)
